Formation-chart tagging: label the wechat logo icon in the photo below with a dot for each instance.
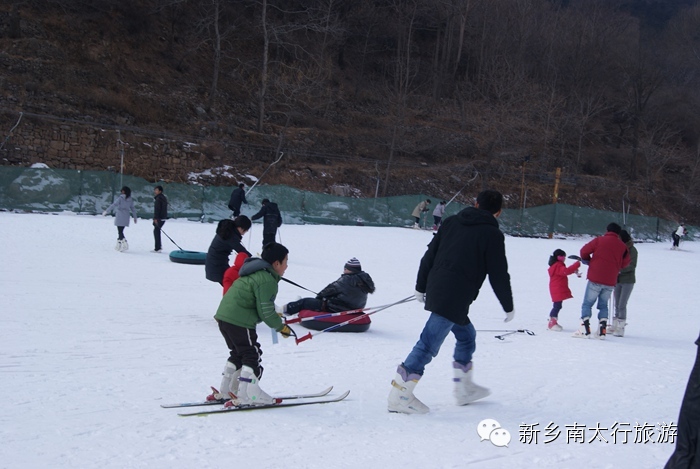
(489, 429)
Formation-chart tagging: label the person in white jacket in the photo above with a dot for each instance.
(677, 235)
(438, 214)
(124, 207)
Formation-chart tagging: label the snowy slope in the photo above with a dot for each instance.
(92, 341)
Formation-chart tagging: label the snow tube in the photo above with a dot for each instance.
(188, 257)
(360, 325)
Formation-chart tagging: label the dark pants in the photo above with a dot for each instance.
(556, 307)
(437, 220)
(686, 454)
(236, 211)
(313, 304)
(120, 232)
(243, 346)
(269, 237)
(157, 225)
(676, 240)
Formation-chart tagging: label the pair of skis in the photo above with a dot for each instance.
(297, 400)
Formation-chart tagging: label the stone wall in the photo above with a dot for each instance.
(77, 145)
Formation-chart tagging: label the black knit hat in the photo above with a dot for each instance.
(353, 265)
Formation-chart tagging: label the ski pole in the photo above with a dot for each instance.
(507, 332)
(171, 239)
(294, 320)
(297, 285)
(310, 335)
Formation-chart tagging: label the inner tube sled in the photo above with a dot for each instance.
(188, 257)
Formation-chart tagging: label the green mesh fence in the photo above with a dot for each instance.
(90, 192)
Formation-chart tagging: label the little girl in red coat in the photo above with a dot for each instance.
(559, 285)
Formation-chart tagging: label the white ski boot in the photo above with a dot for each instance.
(583, 332)
(229, 383)
(118, 246)
(249, 392)
(401, 398)
(619, 327)
(465, 390)
(601, 331)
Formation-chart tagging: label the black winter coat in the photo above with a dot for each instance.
(216, 262)
(272, 218)
(160, 207)
(348, 292)
(237, 198)
(467, 247)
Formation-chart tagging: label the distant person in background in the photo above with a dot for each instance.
(623, 289)
(438, 213)
(272, 219)
(160, 214)
(559, 285)
(237, 198)
(228, 238)
(677, 235)
(606, 255)
(124, 206)
(420, 209)
(687, 454)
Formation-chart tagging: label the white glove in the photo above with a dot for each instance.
(104, 214)
(420, 297)
(509, 316)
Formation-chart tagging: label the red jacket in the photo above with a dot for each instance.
(231, 274)
(558, 281)
(608, 255)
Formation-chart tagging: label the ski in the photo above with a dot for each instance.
(268, 406)
(222, 401)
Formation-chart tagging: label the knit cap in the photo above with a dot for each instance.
(353, 265)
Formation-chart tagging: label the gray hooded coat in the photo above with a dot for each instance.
(123, 207)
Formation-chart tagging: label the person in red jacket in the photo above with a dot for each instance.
(559, 285)
(231, 274)
(606, 255)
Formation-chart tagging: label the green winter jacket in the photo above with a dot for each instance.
(626, 275)
(251, 298)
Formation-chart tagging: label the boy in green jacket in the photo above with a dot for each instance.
(250, 301)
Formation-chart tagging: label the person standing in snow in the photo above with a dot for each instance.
(687, 452)
(160, 214)
(420, 209)
(468, 247)
(250, 301)
(607, 255)
(677, 235)
(229, 234)
(124, 206)
(559, 285)
(438, 213)
(347, 293)
(237, 198)
(623, 289)
(272, 219)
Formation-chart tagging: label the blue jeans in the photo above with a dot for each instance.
(434, 333)
(596, 291)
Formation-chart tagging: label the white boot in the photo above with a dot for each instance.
(249, 392)
(229, 381)
(125, 245)
(465, 390)
(118, 246)
(401, 398)
(416, 226)
(619, 327)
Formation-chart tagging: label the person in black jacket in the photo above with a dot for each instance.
(272, 219)
(467, 247)
(160, 214)
(347, 293)
(228, 238)
(686, 455)
(237, 198)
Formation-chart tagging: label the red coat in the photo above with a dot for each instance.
(558, 281)
(608, 255)
(231, 274)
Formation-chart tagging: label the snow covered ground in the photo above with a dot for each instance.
(93, 341)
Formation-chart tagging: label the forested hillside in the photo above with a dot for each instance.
(383, 96)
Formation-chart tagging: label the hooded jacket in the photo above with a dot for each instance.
(559, 281)
(468, 247)
(608, 255)
(251, 299)
(216, 262)
(348, 292)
